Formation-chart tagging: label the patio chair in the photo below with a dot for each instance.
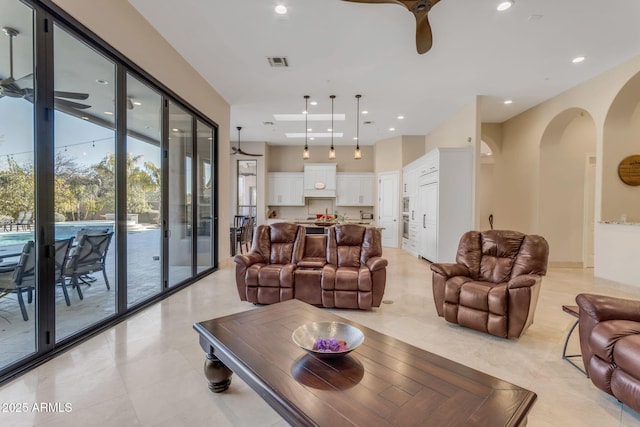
(86, 258)
(89, 232)
(62, 252)
(22, 278)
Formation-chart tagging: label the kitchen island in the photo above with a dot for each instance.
(313, 226)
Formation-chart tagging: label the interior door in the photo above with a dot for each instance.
(388, 207)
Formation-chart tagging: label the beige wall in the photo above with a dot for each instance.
(518, 166)
(563, 152)
(412, 148)
(485, 194)
(388, 155)
(621, 139)
(460, 130)
(288, 158)
(121, 26)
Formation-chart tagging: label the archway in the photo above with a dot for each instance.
(621, 138)
(567, 141)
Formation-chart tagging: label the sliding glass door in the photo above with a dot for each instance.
(85, 189)
(204, 190)
(107, 186)
(144, 183)
(18, 294)
(180, 194)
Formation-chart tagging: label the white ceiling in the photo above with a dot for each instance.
(342, 48)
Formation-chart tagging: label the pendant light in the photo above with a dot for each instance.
(357, 154)
(305, 153)
(332, 150)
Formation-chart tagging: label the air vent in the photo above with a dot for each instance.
(278, 61)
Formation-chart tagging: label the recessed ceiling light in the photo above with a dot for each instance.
(85, 118)
(175, 130)
(305, 112)
(365, 112)
(314, 103)
(392, 129)
(504, 5)
(312, 138)
(109, 113)
(400, 117)
(102, 82)
(329, 130)
(508, 101)
(137, 103)
(309, 130)
(355, 138)
(578, 59)
(281, 9)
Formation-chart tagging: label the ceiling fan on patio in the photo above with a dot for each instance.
(238, 151)
(10, 87)
(420, 9)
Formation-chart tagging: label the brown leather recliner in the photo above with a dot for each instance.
(610, 344)
(265, 275)
(355, 273)
(494, 285)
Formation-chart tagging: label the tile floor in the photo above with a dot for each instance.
(148, 370)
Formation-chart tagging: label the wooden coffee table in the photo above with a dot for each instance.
(383, 382)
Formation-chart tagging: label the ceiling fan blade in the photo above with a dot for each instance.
(376, 1)
(248, 154)
(424, 36)
(67, 103)
(71, 95)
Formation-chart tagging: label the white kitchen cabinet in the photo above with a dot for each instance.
(320, 180)
(285, 189)
(444, 202)
(355, 189)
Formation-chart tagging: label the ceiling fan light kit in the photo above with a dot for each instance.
(420, 9)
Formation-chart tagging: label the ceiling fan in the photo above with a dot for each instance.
(10, 87)
(236, 151)
(420, 9)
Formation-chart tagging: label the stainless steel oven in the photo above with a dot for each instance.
(405, 226)
(405, 204)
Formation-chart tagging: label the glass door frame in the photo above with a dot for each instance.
(45, 14)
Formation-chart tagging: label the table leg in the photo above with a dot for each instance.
(568, 357)
(217, 373)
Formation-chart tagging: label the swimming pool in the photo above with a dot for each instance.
(62, 230)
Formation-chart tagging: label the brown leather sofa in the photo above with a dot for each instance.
(342, 269)
(265, 275)
(610, 343)
(493, 287)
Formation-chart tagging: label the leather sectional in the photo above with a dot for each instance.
(610, 344)
(343, 268)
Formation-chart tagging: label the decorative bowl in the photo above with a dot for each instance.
(308, 337)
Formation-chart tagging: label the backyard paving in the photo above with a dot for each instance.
(17, 337)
